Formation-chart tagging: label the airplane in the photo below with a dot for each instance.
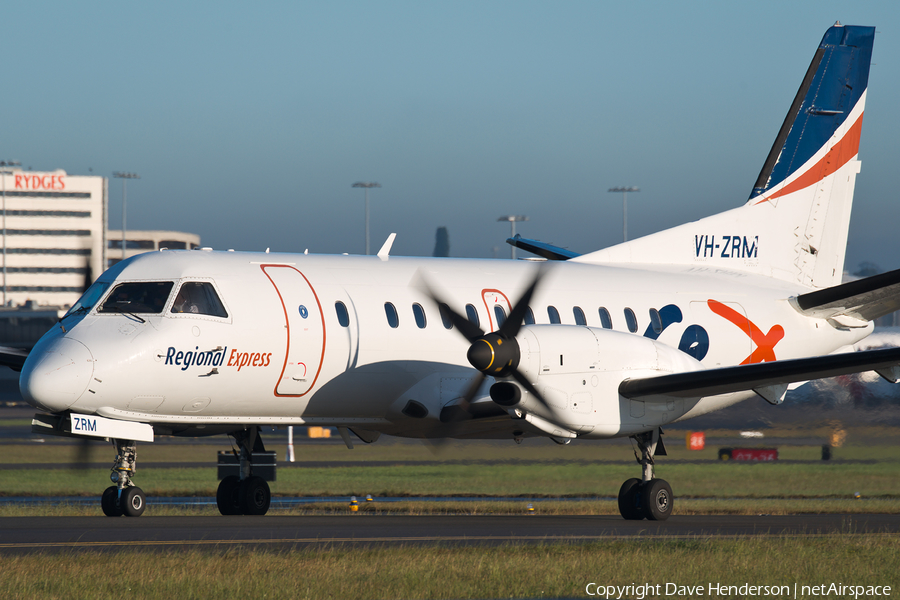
(616, 343)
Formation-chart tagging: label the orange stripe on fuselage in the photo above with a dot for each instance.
(765, 342)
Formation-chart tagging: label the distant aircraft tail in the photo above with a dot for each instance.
(794, 226)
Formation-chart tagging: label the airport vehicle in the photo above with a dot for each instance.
(616, 343)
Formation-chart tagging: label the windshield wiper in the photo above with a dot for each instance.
(119, 309)
(71, 313)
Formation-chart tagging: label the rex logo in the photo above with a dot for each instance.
(765, 342)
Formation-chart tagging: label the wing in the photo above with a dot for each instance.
(853, 304)
(13, 358)
(768, 379)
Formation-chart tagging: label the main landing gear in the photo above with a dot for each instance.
(248, 494)
(647, 498)
(123, 498)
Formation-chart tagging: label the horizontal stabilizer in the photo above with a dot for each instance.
(548, 251)
(760, 377)
(861, 301)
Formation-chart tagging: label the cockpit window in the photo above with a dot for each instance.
(199, 298)
(138, 297)
(89, 298)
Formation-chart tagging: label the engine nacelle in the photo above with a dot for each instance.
(578, 370)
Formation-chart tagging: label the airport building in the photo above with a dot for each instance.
(56, 241)
(137, 242)
(54, 236)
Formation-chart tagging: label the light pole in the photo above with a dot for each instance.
(625, 191)
(124, 176)
(366, 185)
(4, 164)
(513, 219)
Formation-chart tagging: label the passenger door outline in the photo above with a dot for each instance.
(307, 331)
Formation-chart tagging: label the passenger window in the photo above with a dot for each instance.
(472, 314)
(391, 313)
(529, 316)
(199, 298)
(631, 320)
(605, 321)
(419, 314)
(342, 314)
(138, 297)
(500, 314)
(579, 316)
(445, 316)
(655, 321)
(553, 314)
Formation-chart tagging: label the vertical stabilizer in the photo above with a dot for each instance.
(794, 226)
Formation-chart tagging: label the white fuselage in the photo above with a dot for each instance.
(286, 354)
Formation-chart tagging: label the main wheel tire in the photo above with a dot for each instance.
(657, 499)
(630, 500)
(133, 502)
(109, 502)
(227, 498)
(255, 496)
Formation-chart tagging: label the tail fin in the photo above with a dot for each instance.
(794, 226)
(834, 85)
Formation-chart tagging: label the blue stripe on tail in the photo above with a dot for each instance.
(834, 82)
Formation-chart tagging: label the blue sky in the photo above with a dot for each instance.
(248, 123)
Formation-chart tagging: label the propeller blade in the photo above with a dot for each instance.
(517, 375)
(469, 330)
(467, 398)
(452, 425)
(516, 318)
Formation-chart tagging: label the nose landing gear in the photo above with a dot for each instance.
(123, 498)
(647, 498)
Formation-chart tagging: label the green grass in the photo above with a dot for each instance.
(536, 468)
(532, 571)
(862, 444)
(705, 480)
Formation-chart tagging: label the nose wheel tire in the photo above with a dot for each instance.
(630, 500)
(227, 498)
(132, 502)
(255, 496)
(109, 502)
(657, 499)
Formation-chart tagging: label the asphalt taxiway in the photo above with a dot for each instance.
(31, 534)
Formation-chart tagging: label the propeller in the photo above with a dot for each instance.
(496, 353)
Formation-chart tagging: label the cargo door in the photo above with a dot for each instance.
(304, 330)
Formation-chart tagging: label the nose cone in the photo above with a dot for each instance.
(56, 375)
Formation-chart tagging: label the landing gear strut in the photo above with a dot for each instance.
(646, 498)
(123, 498)
(248, 494)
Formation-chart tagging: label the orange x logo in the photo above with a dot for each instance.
(765, 342)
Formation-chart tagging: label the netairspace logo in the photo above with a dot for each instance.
(640, 591)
